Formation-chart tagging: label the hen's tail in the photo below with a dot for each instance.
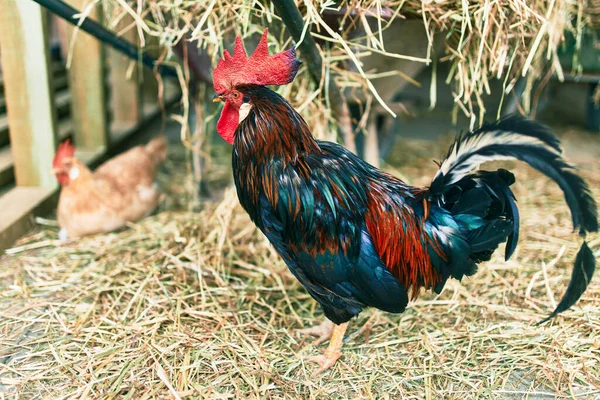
(512, 137)
(157, 148)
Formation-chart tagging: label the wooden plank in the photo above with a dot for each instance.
(58, 70)
(65, 130)
(58, 86)
(18, 206)
(2, 104)
(86, 84)
(149, 82)
(62, 103)
(21, 204)
(125, 89)
(4, 138)
(6, 167)
(59, 82)
(26, 71)
(372, 143)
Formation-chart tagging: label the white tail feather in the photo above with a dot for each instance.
(463, 158)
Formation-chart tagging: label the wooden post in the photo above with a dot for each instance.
(371, 142)
(29, 100)
(87, 85)
(150, 86)
(125, 91)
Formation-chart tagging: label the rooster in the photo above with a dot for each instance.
(119, 191)
(357, 237)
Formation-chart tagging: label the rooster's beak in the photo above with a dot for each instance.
(217, 99)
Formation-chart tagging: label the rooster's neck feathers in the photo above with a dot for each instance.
(273, 130)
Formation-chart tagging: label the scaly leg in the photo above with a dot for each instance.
(332, 353)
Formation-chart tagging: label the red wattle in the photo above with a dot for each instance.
(62, 178)
(228, 122)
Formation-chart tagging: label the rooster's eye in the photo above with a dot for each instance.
(236, 95)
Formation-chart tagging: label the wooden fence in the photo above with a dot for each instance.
(42, 103)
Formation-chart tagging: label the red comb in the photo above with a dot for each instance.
(258, 69)
(65, 150)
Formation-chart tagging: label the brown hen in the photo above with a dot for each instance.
(121, 190)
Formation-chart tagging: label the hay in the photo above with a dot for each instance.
(196, 304)
(484, 40)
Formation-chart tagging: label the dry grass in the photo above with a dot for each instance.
(198, 305)
(484, 40)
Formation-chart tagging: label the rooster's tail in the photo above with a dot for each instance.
(515, 137)
(157, 148)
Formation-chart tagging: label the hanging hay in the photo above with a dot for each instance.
(197, 304)
(484, 40)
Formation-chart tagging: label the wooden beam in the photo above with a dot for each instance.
(150, 86)
(64, 129)
(29, 100)
(21, 204)
(372, 143)
(87, 86)
(124, 86)
(4, 137)
(7, 170)
(58, 81)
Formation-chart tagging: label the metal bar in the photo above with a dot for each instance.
(294, 23)
(291, 17)
(68, 13)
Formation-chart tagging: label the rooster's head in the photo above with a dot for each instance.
(233, 73)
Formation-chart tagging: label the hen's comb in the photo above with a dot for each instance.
(258, 69)
(65, 150)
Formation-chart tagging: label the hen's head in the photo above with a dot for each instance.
(234, 72)
(64, 164)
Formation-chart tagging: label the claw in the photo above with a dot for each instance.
(323, 332)
(332, 353)
(325, 361)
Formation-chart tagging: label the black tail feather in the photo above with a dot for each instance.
(489, 236)
(585, 264)
(579, 198)
(513, 238)
(530, 142)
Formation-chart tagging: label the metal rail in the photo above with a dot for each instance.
(68, 13)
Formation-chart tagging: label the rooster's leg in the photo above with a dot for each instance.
(323, 331)
(332, 353)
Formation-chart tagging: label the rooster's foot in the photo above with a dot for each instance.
(325, 361)
(323, 332)
(332, 354)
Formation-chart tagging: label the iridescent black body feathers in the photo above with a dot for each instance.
(355, 236)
